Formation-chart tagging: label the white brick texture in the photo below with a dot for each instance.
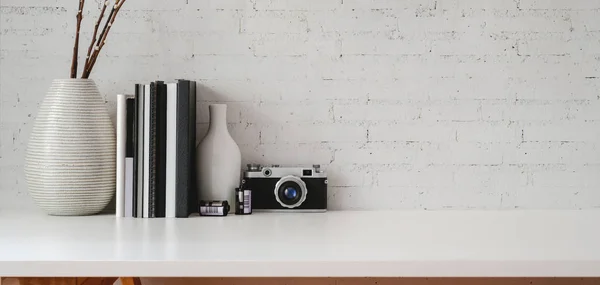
(424, 104)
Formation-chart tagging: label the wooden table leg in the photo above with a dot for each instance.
(47, 281)
(130, 281)
(78, 281)
(96, 281)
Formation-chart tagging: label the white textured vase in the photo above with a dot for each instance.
(218, 159)
(70, 160)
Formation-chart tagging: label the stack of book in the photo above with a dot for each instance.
(156, 136)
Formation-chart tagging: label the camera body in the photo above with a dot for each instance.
(297, 189)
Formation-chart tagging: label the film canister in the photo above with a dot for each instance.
(213, 208)
(243, 201)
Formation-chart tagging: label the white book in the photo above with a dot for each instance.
(170, 199)
(128, 187)
(146, 202)
(121, 148)
(139, 155)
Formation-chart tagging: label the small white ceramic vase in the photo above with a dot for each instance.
(218, 159)
(70, 158)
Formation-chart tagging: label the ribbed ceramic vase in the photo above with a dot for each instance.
(70, 160)
(218, 159)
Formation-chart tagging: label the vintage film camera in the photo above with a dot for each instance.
(275, 188)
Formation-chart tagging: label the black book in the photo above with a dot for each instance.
(130, 146)
(192, 192)
(161, 149)
(185, 190)
(130, 142)
(137, 152)
(152, 151)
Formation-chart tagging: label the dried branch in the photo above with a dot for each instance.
(96, 43)
(110, 16)
(87, 58)
(102, 38)
(76, 45)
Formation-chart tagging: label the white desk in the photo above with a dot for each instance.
(410, 243)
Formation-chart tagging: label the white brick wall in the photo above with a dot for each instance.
(447, 104)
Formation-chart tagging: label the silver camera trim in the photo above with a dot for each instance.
(298, 181)
(277, 172)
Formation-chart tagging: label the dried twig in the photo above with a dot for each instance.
(102, 38)
(87, 58)
(76, 45)
(96, 43)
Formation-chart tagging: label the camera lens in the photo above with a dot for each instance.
(290, 193)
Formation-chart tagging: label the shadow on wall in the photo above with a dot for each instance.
(261, 128)
(242, 118)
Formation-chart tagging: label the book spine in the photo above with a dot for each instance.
(121, 147)
(171, 161)
(138, 160)
(182, 144)
(153, 153)
(129, 157)
(192, 192)
(128, 187)
(146, 192)
(161, 148)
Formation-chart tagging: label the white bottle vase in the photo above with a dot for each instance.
(70, 158)
(218, 159)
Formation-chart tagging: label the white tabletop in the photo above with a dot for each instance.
(409, 243)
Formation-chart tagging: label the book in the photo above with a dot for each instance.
(146, 156)
(121, 144)
(153, 150)
(138, 154)
(161, 149)
(193, 193)
(171, 151)
(186, 198)
(129, 157)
